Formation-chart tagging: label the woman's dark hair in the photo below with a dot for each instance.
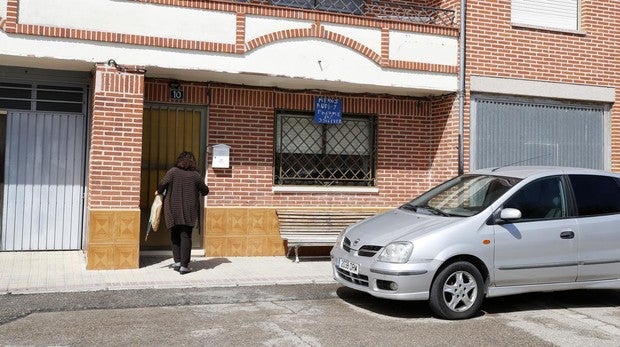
(186, 161)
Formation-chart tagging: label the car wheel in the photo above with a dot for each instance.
(457, 291)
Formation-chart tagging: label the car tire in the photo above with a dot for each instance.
(457, 292)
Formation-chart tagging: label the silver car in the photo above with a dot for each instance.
(489, 233)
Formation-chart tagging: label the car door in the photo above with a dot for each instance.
(541, 246)
(598, 208)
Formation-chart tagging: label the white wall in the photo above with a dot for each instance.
(3, 9)
(369, 37)
(423, 48)
(131, 18)
(257, 26)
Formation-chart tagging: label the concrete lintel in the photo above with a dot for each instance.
(554, 90)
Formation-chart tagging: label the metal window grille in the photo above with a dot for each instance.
(325, 154)
(394, 10)
(36, 97)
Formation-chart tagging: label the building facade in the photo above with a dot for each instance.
(542, 76)
(287, 104)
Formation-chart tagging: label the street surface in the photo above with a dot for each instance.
(300, 315)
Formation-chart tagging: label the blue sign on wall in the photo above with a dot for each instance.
(327, 110)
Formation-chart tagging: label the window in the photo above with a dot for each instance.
(15, 96)
(596, 195)
(42, 97)
(464, 195)
(55, 98)
(324, 154)
(557, 14)
(541, 199)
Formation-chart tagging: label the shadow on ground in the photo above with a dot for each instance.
(391, 308)
(195, 265)
(509, 304)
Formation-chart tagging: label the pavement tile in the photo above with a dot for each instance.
(65, 271)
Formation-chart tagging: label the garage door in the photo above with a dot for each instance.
(43, 161)
(521, 132)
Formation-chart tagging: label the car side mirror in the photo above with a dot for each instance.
(509, 214)
(504, 216)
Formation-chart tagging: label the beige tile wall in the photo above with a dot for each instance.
(113, 239)
(242, 231)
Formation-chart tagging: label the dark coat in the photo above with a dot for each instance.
(181, 202)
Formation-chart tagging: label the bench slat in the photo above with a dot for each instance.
(316, 227)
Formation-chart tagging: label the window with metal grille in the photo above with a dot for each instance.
(325, 154)
(36, 97)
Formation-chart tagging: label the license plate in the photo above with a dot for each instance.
(348, 266)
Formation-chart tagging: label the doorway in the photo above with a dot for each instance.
(167, 131)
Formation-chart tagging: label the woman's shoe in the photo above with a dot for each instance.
(184, 270)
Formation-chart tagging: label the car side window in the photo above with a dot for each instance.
(539, 200)
(596, 195)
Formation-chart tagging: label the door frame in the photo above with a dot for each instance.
(197, 238)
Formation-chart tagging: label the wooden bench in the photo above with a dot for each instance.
(316, 227)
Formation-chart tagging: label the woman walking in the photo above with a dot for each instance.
(183, 187)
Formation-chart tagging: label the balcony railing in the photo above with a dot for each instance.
(394, 10)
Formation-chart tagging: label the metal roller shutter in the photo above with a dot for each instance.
(560, 14)
(43, 166)
(529, 133)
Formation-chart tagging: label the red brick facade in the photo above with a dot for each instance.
(116, 138)
(243, 118)
(417, 138)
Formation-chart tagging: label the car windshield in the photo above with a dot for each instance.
(462, 196)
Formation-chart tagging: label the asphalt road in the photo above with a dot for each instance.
(300, 315)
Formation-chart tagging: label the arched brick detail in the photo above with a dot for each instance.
(316, 31)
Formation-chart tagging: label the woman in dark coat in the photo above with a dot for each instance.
(183, 186)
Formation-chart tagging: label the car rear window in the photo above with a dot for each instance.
(596, 195)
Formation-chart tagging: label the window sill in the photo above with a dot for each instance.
(550, 29)
(322, 189)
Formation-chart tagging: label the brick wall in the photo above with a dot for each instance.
(116, 138)
(243, 118)
(445, 135)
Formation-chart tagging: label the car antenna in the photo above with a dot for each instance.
(521, 161)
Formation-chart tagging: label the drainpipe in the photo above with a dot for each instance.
(461, 87)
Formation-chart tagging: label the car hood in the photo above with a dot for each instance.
(396, 225)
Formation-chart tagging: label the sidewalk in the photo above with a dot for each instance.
(65, 271)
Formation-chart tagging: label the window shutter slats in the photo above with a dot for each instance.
(559, 14)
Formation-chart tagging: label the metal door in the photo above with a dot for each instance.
(43, 180)
(542, 246)
(168, 130)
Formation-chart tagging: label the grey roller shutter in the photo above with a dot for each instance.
(43, 181)
(508, 132)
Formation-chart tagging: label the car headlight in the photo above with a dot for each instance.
(396, 252)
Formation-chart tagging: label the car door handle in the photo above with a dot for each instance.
(567, 234)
